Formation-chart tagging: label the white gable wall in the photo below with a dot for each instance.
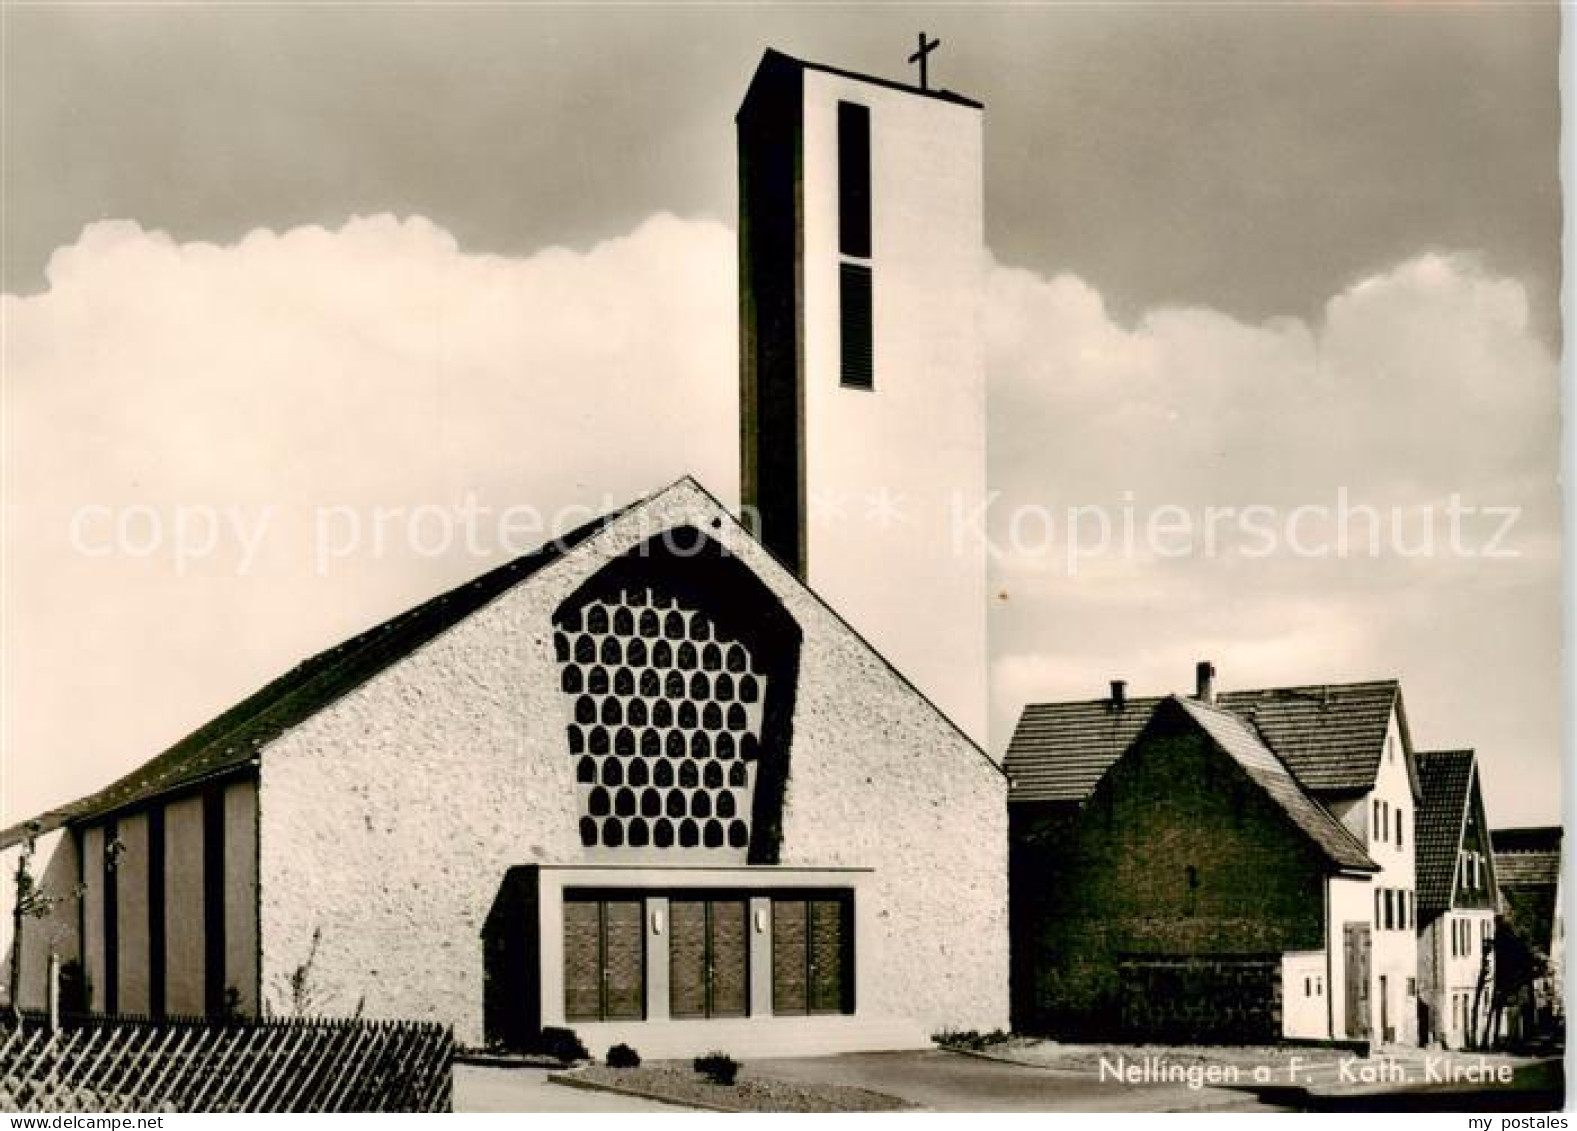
(387, 820)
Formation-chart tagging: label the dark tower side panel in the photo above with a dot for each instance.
(772, 415)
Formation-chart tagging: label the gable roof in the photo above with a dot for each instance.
(1447, 777)
(1528, 857)
(1238, 740)
(235, 738)
(1330, 736)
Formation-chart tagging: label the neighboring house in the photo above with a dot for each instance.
(644, 784)
(1457, 902)
(1346, 751)
(1528, 867)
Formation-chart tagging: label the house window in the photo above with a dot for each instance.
(854, 246)
(604, 959)
(1378, 918)
(1378, 830)
(1390, 911)
(1399, 828)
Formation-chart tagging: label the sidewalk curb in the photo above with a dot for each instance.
(572, 1080)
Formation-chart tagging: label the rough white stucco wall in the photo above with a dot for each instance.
(909, 584)
(183, 906)
(1303, 995)
(388, 820)
(55, 869)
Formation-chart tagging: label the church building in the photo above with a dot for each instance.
(1226, 867)
(675, 779)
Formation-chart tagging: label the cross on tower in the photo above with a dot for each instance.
(919, 57)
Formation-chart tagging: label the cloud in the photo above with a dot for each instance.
(378, 373)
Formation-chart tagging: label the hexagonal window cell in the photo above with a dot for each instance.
(700, 747)
(651, 744)
(588, 832)
(598, 803)
(738, 775)
(638, 773)
(712, 717)
(613, 832)
(577, 739)
(723, 745)
(662, 654)
(624, 742)
(649, 626)
(585, 709)
(726, 803)
(635, 713)
(749, 747)
(711, 658)
(571, 681)
(662, 713)
(700, 687)
(737, 718)
(674, 803)
(738, 834)
(749, 689)
(585, 650)
(738, 660)
(689, 834)
(689, 776)
(723, 687)
(688, 716)
(673, 686)
(623, 622)
(714, 834)
(598, 741)
(612, 772)
(623, 681)
(571, 620)
(674, 746)
(612, 712)
(610, 653)
(586, 771)
(635, 652)
(701, 804)
(673, 626)
(624, 803)
(651, 803)
(663, 774)
(597, 680)
(596, 619)
(663, 833)
(639, 836)
(561, 647)
(651, 684)
(712, 775)
(685, 658)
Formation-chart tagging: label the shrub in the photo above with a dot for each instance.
(623, 1056)
(561, 1044)
(969, 1039)
(718, 1067)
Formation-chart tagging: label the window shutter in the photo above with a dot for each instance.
(855, 324)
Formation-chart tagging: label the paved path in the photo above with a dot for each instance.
(479, 1088)
(945, 1081)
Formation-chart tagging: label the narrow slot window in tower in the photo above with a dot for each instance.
(857, 368)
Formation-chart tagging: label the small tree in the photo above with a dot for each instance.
(32, 902)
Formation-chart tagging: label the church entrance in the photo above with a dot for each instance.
(812, 955)
(604, 960)
(708, 957)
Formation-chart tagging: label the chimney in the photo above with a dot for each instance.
(1119, 694)
(1205, 681)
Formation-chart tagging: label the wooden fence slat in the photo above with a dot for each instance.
(291, 1040)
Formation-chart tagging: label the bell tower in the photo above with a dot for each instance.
(862, 382)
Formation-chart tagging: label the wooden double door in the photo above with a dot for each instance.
(604, 959)
(812, 954)
(708, 957)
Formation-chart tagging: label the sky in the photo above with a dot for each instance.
(276, 275)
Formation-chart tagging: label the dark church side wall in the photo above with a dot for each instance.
(1182, 878)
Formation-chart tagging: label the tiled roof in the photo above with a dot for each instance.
(1527, 857)
(1238, 740)
(1447, 779)
(234, 739)
(1331, 737)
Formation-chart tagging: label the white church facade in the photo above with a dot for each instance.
(674, 780)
